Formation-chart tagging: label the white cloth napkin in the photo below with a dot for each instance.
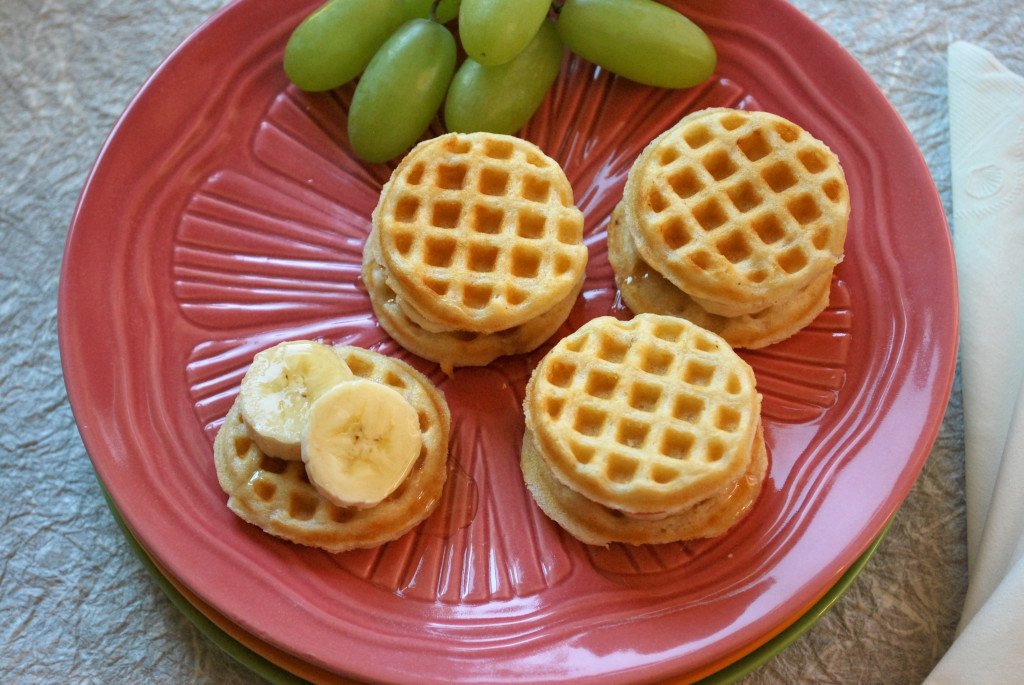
(986, 112)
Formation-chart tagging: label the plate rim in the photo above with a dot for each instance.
(274, 673)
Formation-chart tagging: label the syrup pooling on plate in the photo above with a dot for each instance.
(460, 502)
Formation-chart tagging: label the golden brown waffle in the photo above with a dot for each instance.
(643, 290)
(739, 210)
(454, 348)
(594, 524)
(479, 232)
(277, 496)
(647, 416)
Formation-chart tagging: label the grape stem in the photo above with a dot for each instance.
(433, 10)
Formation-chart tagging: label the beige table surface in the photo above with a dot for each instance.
(77, 606)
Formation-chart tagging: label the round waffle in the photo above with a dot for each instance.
(479, 232)
(643, 290)
(739, 210)
(277, 496)
(454, 348)
(594, 524)
(646, 416)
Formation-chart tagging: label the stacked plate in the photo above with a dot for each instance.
(225, 213)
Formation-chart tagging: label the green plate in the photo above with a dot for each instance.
(760, 656)
(277, 675)
(232, 647)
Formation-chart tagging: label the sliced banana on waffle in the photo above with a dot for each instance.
(280, 496)
(279, 389)
(360, 442)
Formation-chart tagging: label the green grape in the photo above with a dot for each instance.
(420, 9)
(401, 90)
(500, 99)
(640, 39)
(334, 43)
(495, 31)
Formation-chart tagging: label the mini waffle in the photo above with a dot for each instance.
(648, 416)
(479, 232)
(737, 209)
(643, 290)
(454, 348)
(277, 496)
(594, 524)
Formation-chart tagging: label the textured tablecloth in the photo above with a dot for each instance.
(77, 606)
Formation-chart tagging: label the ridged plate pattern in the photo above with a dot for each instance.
(239, 222)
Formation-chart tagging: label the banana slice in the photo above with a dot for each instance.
(280, 387)
(360, 443)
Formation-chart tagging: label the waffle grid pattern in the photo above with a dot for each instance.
(644, 289)
(595, 524)
(744, 198)
(647, 415)
(276, 495)
(454, 348)
(480, 231)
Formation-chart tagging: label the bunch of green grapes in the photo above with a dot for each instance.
(405, 58)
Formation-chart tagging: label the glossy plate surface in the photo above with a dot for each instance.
(224, 214)
(281, 668)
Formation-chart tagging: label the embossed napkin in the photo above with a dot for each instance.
(986, 112)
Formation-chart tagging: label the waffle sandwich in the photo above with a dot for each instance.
(474, 236)
(643, 431)
(744, 214)
(277, 496)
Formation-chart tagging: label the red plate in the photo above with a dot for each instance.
(225, 214)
